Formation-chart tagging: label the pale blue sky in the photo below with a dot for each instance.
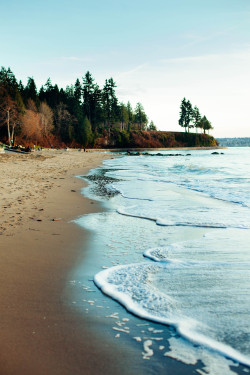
(157, 52)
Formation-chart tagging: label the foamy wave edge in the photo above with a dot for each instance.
(165, 223)
(101, 281)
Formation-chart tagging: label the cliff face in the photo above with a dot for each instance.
(154, 139)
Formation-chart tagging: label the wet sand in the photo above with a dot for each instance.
(40, 332)
(39, 335)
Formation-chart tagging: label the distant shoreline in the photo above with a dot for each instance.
(156, 149)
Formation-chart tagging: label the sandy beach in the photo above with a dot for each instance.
(41, 331)
(39, 248)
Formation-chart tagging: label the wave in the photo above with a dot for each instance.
(132, 290)
(168, 223)
(161, 255)
(120, 191)
(193, 169)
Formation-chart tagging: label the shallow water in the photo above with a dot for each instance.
(181, 225)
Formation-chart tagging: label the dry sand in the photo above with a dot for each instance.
(38, 333)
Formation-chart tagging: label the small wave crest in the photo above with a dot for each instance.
(169, 223)
(131, 286)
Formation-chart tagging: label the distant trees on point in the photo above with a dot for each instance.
(191, 118)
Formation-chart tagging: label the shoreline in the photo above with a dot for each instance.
(42, 330)
(122, 314)
(124, 149)
(39, 334)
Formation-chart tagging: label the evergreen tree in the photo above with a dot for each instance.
(48, 85)
(96, 107)
(152, 126)
(110, 103)
(196, 117)
(50, 94)
(8, 81)
(21, 87)
(130, 115)
(76, 112)
(123, 116)
(63, 123)
(183, 113)
(88, 89)
(205, 124)
(86, 132)
(42, 94)
(140, 116)
(186, 114)
(78, 91)
(189, 115)
(92, 98)
(30, 92)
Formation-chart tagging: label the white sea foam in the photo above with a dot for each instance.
(189, 354)
(130, 285)
(199, 280)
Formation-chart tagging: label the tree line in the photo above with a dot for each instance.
(77, 115)
(191, 118)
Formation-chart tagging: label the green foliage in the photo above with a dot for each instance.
(86, 133)
(123, 115)
(110, 103)
(78, 91)
(152, 126)
(30, 91)
(140, 117)
(191, 117)
(8, 81)
(83, 114)
(205, 124)
(186, 115)
(196, 117)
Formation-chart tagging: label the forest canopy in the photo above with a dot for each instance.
(85, 115)
(76, 116)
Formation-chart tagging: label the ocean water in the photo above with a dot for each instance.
(177, 234)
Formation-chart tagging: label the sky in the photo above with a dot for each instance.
(157, 52)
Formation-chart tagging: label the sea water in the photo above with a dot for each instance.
(181, 224)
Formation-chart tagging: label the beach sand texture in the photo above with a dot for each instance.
(38, 334)
(41, 331)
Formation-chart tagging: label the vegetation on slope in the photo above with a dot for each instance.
(83, 115)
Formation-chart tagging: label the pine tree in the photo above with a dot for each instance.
(123, 116)
(110, 103)
(86, 134)
(8, 81)
(205, 124)
(152, 126)
(140, 116)
(130, 115)
(88, 89)
(196, 117)
(92, 98)
(183, 110)
(78, 91)
(189, 116)
(186, 114)
(30, 92)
